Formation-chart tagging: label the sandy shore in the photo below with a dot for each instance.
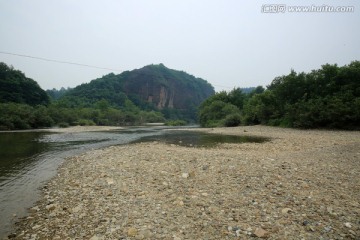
(299, 185)
(71, 129)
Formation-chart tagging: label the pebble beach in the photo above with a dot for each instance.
(301, 184)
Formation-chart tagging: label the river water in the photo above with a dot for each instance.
(29, 159)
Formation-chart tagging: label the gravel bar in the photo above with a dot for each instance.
(302, 184)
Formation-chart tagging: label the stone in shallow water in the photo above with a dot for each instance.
(34, 209)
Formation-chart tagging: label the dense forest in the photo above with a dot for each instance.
(16, 87)
(325, 98)
(153, 93)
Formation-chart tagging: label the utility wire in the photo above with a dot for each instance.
(58, 61)
(77, 64)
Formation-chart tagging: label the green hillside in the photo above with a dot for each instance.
(154, 87)
(17, 88)
(151, 94)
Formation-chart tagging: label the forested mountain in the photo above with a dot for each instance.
(151, 94)
(325, 98)
(17, 88)
(154, 87)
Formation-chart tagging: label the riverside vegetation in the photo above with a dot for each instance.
(151, 94)
(325, 98)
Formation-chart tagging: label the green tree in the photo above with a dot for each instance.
(103, 105)
(324, 98)
(16, 87)
(214, 114)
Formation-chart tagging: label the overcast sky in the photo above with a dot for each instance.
(229, 43)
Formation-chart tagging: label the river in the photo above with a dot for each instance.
(28, 159)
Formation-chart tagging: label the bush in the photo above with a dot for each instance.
(232, 120)
(63, 125)
(213, 114)
(176, 123)
(86, 122)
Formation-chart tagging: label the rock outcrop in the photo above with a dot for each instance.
(151, 87)
(166, 88)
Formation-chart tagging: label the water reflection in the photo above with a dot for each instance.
(199, 139)
(30, 159)
(17, 150)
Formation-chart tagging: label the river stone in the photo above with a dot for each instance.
(95, 237)
(34, 209)
(348, 225)
(286, 210)
(132, 232)
(203, 207)
(261, 233)
(51, 207)
(185, 175)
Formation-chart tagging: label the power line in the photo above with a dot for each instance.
(77, 64)
(59, 61)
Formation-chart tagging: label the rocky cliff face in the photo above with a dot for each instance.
(166, 99)
(167, 88)
(159, 96)
(151, 87)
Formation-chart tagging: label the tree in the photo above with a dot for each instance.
(16, 87)
(324, 98)
(214, 114)
(236, 97)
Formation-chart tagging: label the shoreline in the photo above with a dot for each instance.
(84, 129)
(300, 184)
(71, 129)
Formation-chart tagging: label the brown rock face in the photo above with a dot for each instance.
(164, 99)
(166, 88)
(152, 87)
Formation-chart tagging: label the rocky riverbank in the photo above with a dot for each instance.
(82, 129)
(299, 185)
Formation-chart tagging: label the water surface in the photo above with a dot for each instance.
(199, 139)
(29, 159)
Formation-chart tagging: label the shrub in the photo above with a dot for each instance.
(63, 125)
(86, 122)
(232, 120)
(176, 123)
